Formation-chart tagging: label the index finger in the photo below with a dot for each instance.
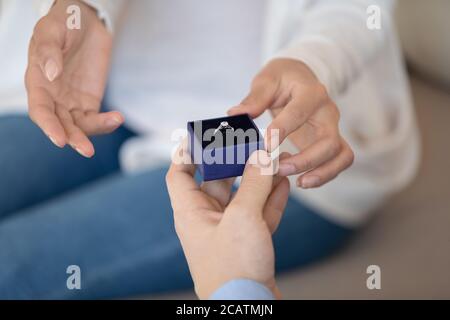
(300, 108)
(46, 47)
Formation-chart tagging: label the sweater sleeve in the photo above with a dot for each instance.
(334, 39)
(107, 10)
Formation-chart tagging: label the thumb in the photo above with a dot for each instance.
(256, 185)
(260, 98)
(46, 49)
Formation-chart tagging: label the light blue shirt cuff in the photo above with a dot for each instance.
(242, 289)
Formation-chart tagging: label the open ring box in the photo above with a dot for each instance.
(221, 147)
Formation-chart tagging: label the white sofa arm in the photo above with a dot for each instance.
(424, 29)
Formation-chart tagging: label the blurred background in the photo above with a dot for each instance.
(410, 237)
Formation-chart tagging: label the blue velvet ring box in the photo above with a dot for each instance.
(221, 147)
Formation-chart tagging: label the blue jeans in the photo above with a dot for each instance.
(58, 209)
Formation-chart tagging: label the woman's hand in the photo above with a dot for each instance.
(66, 77)
(225, 240)
(303, 112)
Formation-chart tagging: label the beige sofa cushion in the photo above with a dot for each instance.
(424, 28)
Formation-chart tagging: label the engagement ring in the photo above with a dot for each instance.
(223, 126)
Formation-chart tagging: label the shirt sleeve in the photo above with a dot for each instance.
(334, 39)
(107, 10)
(242, 289)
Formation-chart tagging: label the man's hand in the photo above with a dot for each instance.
(225, 240)
(303, 112)
(66, 77)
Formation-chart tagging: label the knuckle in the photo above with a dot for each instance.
(300, 115)
(321, 92)
(350, 157)
(334, 145)
(335, 112)
(45, 35)
(42, 28)
(305, 164)
(40, 25)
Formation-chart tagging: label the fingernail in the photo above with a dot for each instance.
(310, 182)
(273, 140)
(53, 140)
(113, 122)
(287, 169)
(51, 70)
(82, 153)
(56, 143)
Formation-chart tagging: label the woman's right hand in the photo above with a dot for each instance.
(66, 77)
